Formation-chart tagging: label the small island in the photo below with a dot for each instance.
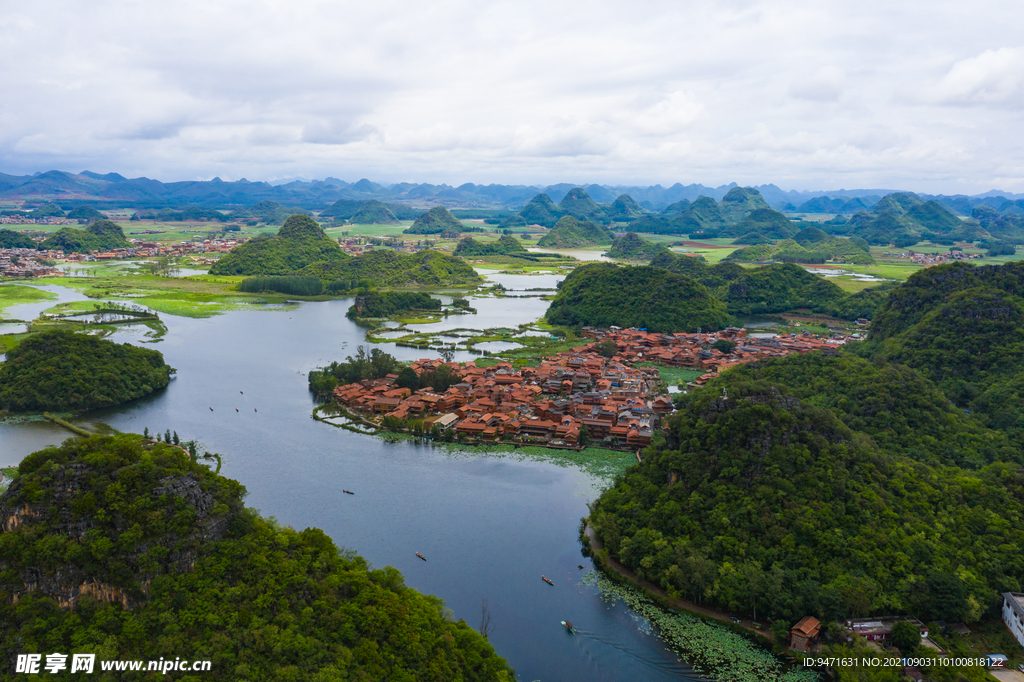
(63, 371)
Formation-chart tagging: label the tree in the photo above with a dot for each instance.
(723, 346)
(485, 619)
(167, 436)
(905, 636)
(145, 432)
(175, 438)
(606, 348)
(408, 378)
(584, 435)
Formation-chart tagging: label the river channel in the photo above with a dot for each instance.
(488, 526)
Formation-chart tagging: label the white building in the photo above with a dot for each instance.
(1013, 614)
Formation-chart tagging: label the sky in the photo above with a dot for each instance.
(925, 96)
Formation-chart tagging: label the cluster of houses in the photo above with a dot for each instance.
(576, 396)
(694, 351)
(936, 258)
(25, 220)
(27, 263)
(570, 398)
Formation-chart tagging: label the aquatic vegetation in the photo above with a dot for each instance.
(711, 648)
(17, 294)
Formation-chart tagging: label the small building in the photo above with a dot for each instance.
(804, 634)
(879, 629)
(1013, 614)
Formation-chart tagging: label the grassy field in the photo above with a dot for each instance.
(199, 296)
(16, 294)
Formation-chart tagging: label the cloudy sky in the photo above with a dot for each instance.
(920, 95)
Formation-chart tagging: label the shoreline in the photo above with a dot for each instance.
(607, 563)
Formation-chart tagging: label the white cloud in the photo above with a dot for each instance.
(813, 94)
(994, 77)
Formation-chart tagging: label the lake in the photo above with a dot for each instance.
(488, 526)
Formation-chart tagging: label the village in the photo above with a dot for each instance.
(25, 263)
(594, 394)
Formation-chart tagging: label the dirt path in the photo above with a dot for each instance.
(681, 604)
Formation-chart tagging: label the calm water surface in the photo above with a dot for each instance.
(489, 527)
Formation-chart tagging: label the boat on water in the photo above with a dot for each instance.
(546, 580)
(347, 491)
(421, 556)
(569, 626)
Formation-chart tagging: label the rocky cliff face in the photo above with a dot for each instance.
(65, 506)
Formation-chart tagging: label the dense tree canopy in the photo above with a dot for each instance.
(631, 246)
(571, 233)
(60, 370)
(299, 243)
(435, 221)
(386, 268)
(762, 502)
(207, 578)
(506, 245)
(603, 294)
(9, 239)
(387, 303)
(101, 235)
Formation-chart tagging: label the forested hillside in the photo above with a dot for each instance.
(299, 243)
(632, 246)
(101, 235)
(387, 268)
(570, 233)
(602, 295)
(176, 567)
(764, 503)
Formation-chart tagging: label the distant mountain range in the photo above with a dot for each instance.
(114, 190)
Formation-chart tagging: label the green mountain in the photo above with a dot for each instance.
(674, 209)
(129, 549)
(578, 204)
(779, 288)
(764, 503)
(903, 412)
(701, 215)
(764, 221)
(631, 246)
(62, 371)
(273, 213)
(739, 203)
(373, 212)
(570, 233)
(884, 228)
(624, 209)
(898, 203)
(603, 294)
(506, 245)
(934, 217)
(9, 239)
(905, 219)
(810, 245)
(299, 243)
(654, 224)
(101, 235)
(962, 327)
(386, 268)
(85, 214)
(435, 221)
(540, 210)
(50, 210)
(691, 266)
